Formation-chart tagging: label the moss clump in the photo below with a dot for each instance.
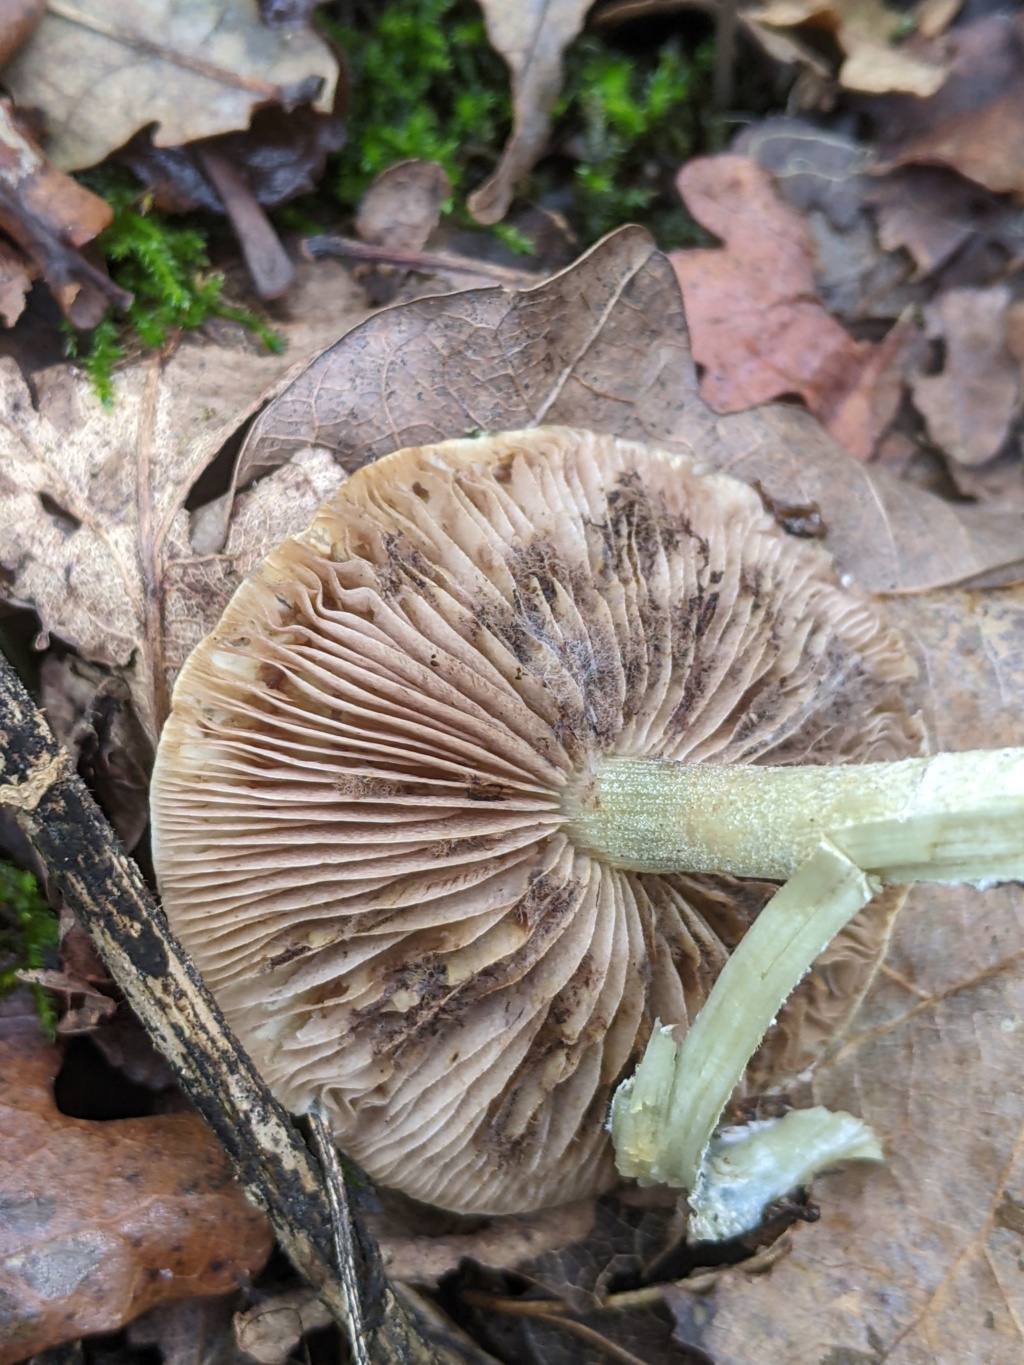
(427, 84)
(28, 931)
(166, 267)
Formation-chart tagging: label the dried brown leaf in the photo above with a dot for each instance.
(94, 533)
(403, 205)
(918, 1263)
(101, 70)
(758, 329)
(969, 405)
(868, 32)
(933, 212)
(100, 1221)
(604, 345)
(825, 176)
(532, 38)
(972, 124)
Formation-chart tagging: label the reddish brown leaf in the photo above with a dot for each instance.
(757, 326)
(19, 19)
(101, 1221)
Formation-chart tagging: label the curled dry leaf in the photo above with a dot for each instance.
(868, 32)
(918, 1262)
(532, 38)
(101, 1221)
(970, 405)
(51, 218)
(100, 71)
(757, 327)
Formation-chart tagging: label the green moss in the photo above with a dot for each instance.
(636, 121)
(165, 265)
(425, 84)
(28, 931)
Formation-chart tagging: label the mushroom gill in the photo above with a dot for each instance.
(362, 800)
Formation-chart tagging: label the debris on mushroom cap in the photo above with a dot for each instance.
(357, 804)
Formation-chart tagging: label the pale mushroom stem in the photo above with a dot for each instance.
(949, 818)
(835, 835)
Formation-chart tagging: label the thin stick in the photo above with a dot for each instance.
(104, 889)
(316, 247)
(341, 1225)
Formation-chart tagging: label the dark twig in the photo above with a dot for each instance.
(103, 887)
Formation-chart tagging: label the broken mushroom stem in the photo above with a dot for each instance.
(836, 835)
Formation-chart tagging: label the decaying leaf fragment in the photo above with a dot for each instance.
(51, 218)
(93, 527)
(758, 328)
(100, 1221)
(532, 38)
(100, 71)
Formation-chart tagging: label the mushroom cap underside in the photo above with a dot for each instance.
(358, 798)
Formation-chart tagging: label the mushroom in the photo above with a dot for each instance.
(421, 811)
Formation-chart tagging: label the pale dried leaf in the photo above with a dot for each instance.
(100, 1221)
(918, 1263)
(604, 345)
(101, 70)
(93, 530)
(868, 33)
(532, 38)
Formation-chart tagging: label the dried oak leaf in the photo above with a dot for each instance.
(970, 404)
(100, 70)
(868, 32)
(101, 1221)
(94, 534)
(758, 328)
(918, 1262)
(604, 345)
(532, 38)
(972, 124)
(50, 217)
